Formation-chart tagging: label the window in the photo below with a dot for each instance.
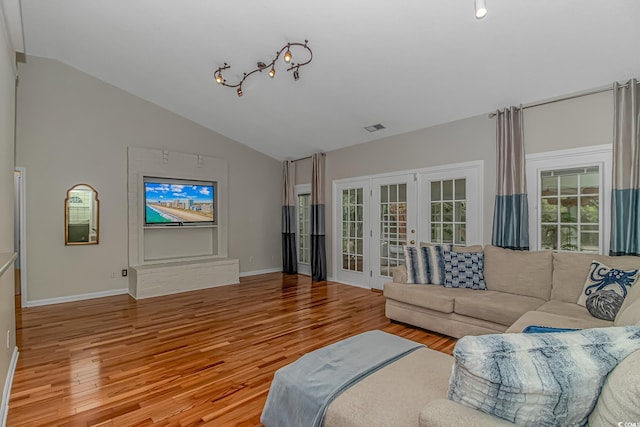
(570, 209)
(448, 211)
(352, 229)
(304, 226)
(393, 226)
(569, 199)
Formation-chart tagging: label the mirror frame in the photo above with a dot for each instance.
(66, 216)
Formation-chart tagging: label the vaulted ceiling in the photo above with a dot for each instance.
(406, 64)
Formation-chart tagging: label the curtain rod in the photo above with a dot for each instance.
(304, 158)
(567, 98)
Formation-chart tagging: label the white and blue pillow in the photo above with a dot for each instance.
(464, 270)
(545, 379)
(425, 265)
(602, 278)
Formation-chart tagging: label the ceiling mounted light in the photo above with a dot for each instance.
(287, 55)
(262, 66)
(481, 9)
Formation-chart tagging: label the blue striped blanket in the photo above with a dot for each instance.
(301, 391)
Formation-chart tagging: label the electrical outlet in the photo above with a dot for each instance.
(113, 274)
(124, 272)
(8, 338)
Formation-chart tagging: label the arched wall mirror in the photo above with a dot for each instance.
(81, 216)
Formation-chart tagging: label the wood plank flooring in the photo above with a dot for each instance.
(198, 358)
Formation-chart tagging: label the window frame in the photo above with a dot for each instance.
(598, 155)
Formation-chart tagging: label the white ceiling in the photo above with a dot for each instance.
(406, 64)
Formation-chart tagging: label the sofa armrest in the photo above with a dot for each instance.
(446, 413)
(399, 274)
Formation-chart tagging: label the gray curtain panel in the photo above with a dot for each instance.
(289, 250)
(318, 246)
(625, 194)
(511, 212)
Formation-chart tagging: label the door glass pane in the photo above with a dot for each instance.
(352, 224)
(435, 190)
(549, 237)
(569, 184)
(304, 218)
(461, 189)
(393, 227)
(447, 190)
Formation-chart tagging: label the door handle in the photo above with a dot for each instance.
(413, 242)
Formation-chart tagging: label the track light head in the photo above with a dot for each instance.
(239, 91)
(481, 9)
(272, 72)
(287, 56)
(296, 75)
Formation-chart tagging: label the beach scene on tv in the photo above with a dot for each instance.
(173, 203)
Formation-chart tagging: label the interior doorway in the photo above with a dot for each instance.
(20, 232)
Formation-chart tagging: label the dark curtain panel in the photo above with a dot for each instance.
(625, 195)
(318, 247)
(289, 250)
(511, 211)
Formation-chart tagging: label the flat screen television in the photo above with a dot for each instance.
(169, 201)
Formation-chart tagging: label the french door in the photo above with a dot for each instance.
(353, 235)
(303, 228)
(376, 217)
(393, 224)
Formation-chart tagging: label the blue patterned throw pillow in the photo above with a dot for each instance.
(464, 270)
(538, 379)
(425, 265)
(602, 277)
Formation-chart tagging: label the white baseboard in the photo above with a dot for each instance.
(6, 394)
(351, 284)
(256, 272)
(70, 298)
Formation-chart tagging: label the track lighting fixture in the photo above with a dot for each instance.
(481, 9)
(287, 57)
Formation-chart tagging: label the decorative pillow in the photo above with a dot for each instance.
(425, 264)
(545, 330)
(464, 270)
(602, 277)
(538, 379)
(604, 304)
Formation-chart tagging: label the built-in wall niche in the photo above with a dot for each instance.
(177, 207)
(186, 248)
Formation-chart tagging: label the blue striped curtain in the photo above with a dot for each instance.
(317, 237)
(289, 250)
(625, 195)
(511, 211)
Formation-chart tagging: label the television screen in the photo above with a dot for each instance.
(174, 201)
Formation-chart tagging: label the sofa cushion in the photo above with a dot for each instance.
(518, 272)
(567, 309)
(436, 298)
(618, 401)
(445, 413)
(570, 271)
(498, 307)
(541, 318)
(538, 379)
(464, 270)
(601, 277)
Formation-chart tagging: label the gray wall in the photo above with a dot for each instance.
(567, 124)
(7, 117)
(73, 128)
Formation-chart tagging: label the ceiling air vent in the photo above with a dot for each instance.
(374, 128)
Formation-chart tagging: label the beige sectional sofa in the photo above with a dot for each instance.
(525, 288)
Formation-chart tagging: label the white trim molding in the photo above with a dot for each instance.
(257, 272)
(6, 393)
(80, 297)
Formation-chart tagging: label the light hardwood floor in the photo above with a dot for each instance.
(198, 358)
